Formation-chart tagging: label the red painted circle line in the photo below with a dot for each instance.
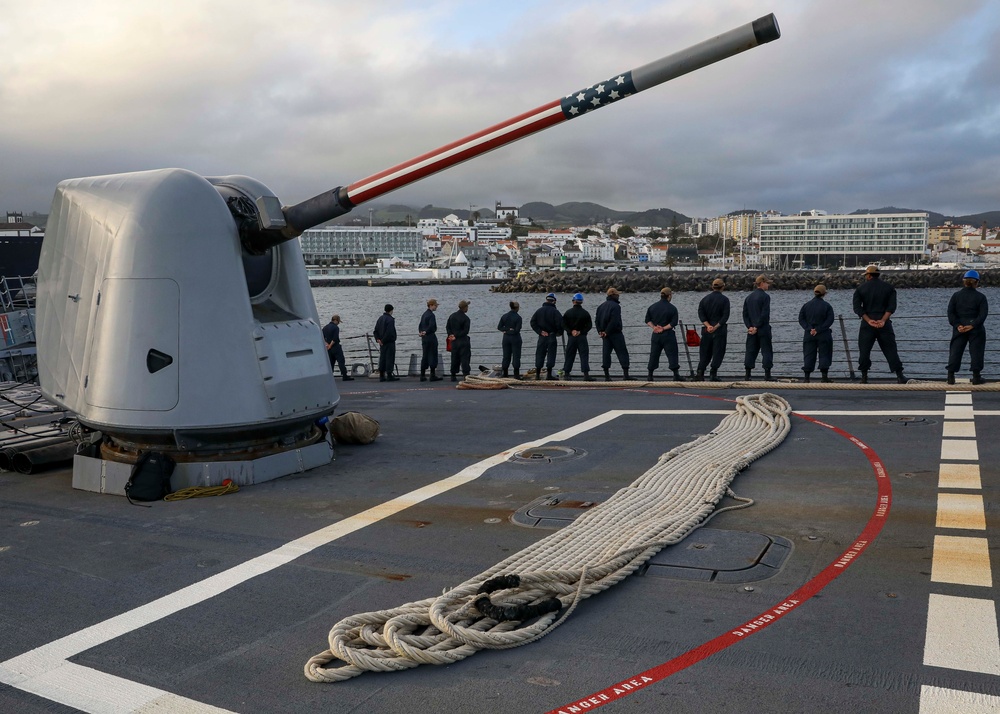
(769, 616)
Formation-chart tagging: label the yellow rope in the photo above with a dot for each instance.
(201, 491)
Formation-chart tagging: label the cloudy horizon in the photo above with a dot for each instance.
(858, 105)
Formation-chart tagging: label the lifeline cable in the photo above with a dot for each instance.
(544, 582)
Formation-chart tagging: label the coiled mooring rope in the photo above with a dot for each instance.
(913, 385)
(537, 589)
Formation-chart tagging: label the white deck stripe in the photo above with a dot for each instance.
(937, 700)
(962, 634)
(956, 450)
(959, 476)
(959, 429)
(951, 398)
(961, 560)
(959, 412)
(961, 510)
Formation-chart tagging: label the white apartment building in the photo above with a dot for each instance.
(362, 242)
(830, 241)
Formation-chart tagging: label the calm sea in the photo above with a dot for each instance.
(920, 322)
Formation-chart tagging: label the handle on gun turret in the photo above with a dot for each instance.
(341, 200)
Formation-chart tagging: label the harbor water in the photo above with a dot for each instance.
(920, 323)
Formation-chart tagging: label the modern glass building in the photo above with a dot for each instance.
(821, 241)
(357, 242)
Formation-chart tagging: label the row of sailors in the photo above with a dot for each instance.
(874, 302)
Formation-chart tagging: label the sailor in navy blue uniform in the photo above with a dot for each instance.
(757, 318)
(510, 326)
(331, 338)
(816, 319)
(547, 323)
(874, 303)
(662, 317)
(385, 335)
(427, 329)
(967, 311)
(608, 322)
(458, 326)
(713, 312)
(577, 323)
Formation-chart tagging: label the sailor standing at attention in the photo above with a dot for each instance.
(385, 335)
(577, 322)
(874, 303)
(427, 329)
(661, 317)
(331, 338)
(713, 312)
(547, 322)
(510, 326)
(816, 319)
(458, 334)
(757, 318)
(967, 311)
(608, 322)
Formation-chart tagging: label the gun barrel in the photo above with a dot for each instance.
(336, 202)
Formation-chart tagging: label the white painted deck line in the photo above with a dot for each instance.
(960, 412)
(961, 560)
(959, 476)
(962, 634)
(959, 450)
(951, 398)
(961, 510)
(937, 700)
(959, 429)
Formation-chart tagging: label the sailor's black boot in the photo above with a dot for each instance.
(700, 377)
(808, 378)
(627, 378)
(506, 374)
(434, 377)
(864, 376)
(549, 375)
(345, 377)
(538, 374)
(423, 375)
(826, 378)
(977, 378)
(649, 377)
(677, 376)
(390, 377)
(951, 377)
(767, 375)
(588, 378)
(567, 376)
(713, 376)
(900, 377)
(607, 376)
(517, 374)
(381, 376)
(454, 377)
(746, 376)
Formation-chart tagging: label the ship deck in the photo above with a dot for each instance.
(872, 592)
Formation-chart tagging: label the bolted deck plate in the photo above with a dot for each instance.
(721, 556)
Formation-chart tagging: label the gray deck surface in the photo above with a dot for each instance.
(70, 560)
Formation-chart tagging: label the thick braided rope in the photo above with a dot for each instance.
(477, 382)
(597, 550)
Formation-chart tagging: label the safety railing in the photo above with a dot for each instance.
(922, 343)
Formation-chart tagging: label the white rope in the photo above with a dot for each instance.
(597, 550)
(913, 385)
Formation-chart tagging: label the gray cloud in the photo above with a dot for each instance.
(859, 104)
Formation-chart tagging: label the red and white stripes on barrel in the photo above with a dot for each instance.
(727, 44)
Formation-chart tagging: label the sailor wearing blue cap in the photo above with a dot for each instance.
(577, 322)
(967, 311)
(547, 323)
(510, 326)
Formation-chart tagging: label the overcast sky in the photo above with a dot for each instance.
(860, 104)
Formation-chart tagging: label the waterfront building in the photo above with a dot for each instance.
(828, 241)
(362, 243)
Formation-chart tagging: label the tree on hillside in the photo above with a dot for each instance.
(625, 231)
(675, 231)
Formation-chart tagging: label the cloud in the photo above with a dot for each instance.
(859, 104)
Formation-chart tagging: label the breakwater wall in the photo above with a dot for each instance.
(699, 281)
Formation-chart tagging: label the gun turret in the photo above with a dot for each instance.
(174, 311)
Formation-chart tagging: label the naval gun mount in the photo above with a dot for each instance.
(174, 312)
